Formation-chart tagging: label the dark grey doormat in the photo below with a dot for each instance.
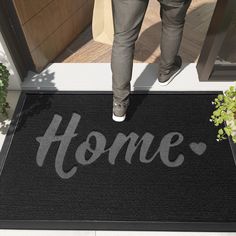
(66, 165)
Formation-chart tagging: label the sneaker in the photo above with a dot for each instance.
(119, 110)
(165, 79)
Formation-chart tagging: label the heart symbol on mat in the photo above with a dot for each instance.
(198, 148)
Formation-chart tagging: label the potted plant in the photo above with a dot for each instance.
(4, 78)
(224, 115)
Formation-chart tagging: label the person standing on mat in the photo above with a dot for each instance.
(128, 16)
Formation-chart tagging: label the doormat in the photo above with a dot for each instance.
(65, 164)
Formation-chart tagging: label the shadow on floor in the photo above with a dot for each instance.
(43, 102)
(149, 78)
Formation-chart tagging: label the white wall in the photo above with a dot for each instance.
(6, 59)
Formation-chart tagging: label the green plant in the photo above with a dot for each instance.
(224, 114)
(4, 78)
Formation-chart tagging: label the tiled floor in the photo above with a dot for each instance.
(97, 77)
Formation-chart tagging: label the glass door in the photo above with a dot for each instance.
(217, 60)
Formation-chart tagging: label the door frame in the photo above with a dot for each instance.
(207, 70)
(220, 22)
(14, 38)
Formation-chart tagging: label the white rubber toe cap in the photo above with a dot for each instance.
(118, 118)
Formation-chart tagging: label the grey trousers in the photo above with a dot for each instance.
(128, 16)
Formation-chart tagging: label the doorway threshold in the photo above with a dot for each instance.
(98, 77)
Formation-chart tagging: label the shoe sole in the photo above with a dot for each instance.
(118, 118)
(171, 78)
